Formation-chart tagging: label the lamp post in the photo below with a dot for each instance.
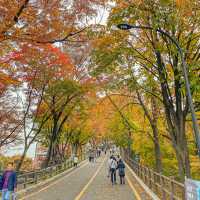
(184, 69)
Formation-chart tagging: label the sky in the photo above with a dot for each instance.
(18, 150)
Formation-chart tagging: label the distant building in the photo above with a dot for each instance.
(40, 155)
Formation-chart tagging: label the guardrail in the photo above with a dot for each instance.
(164, 187)
(31, 178)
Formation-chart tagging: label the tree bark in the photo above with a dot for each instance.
(175, 115)
(152, 118)
(157, 150)
(19, 165)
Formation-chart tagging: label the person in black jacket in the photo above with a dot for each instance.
(8, 182)
(121, 170)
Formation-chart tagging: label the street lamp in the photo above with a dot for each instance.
(184, 68)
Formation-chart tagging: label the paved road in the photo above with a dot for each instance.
(88, 182)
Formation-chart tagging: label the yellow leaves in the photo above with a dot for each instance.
(165, 2)
(103, 41)
(110, 42)
(195, 165)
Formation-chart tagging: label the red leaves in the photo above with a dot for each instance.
(37, 64)
(62, 58)
(61, 63)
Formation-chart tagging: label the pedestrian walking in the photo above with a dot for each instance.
(105, 151)
(93, 156)
(113, 167)
(9, 183)
(75, 161)
(118, 158)
(90, 156)
(121, 171)
(99, 152)
(110, 151)
(109, 165)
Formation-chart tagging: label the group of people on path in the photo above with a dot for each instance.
(114, 164)
(8, 183)
(94, 153)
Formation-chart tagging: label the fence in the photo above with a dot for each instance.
(31, 178)
(164, 187)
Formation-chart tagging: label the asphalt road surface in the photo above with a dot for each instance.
(87, 182)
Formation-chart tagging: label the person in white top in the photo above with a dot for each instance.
(75, 161)
(113, 168)
(109, 163)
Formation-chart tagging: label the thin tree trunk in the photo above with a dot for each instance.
(48, 155)
(154, 126)
(182, 143)
(19, 165)
(181, 170)
(152, 118)
(182, 154)
(157, 150)
(52, 144)
(175, 116)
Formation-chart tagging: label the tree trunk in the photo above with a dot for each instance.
(181, 168)
(154, 125)
(19, 165)
(52, 144)
(181, 150)
(185, 151)
(153, 119)
(182, 143)
(175, 115)
(48, 155)
(158, 156)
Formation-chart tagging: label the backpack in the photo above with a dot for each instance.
(121, 171)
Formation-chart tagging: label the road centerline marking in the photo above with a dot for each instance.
(78, 197)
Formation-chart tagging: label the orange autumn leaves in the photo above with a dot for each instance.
(6, 81)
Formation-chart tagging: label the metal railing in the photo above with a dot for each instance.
(28, 179)
(164, 187)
